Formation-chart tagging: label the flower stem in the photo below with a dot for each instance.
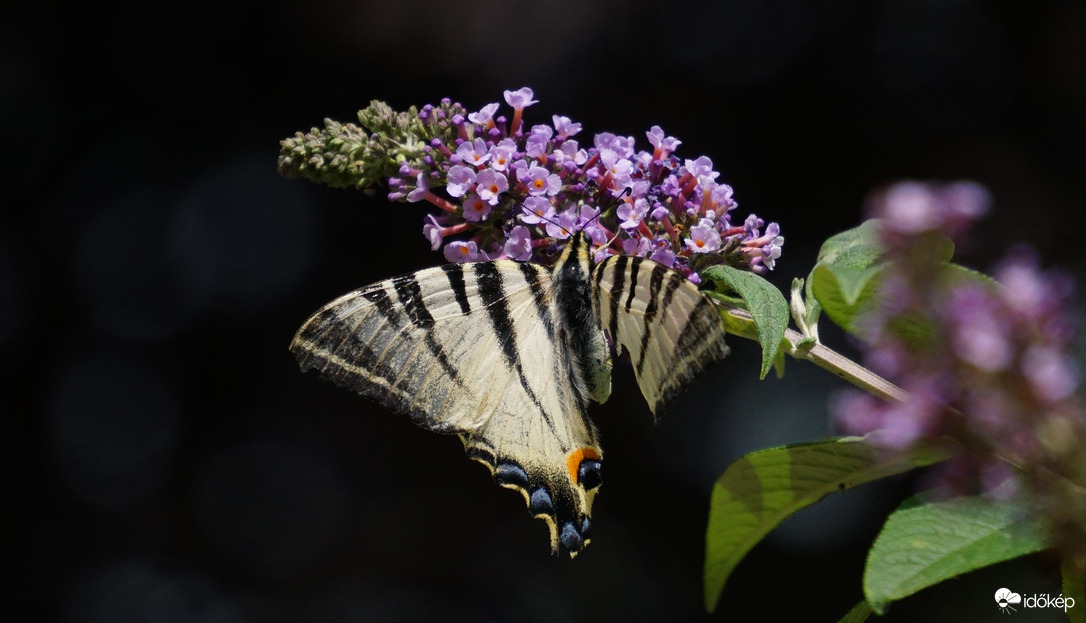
(829, 359)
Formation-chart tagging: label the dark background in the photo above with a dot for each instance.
(165, 460)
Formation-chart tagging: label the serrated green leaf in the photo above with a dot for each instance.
(858, 613)
(761, 489)
(846, 292)
(924, 544)
(765, 303)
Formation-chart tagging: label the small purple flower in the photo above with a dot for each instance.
(587, 216)
(663, 144)
(670, 187)
(752, 226)
(460, 252)
(632, 213)
(607, 140)
(519, 244)
(502, 154)
(542, 182)
(538, 143)
(474, 153)
(663, 254)
(721, 198)
(536, 210)
(432, 231)
(704, 238)
(619, 168)
(490, 184)
(519, 99)
(624, 145)
(571, 151)
(604, 140)
(565, 127)
(599, 240)
(475, 209)
(460, 180)
(567, 223)
(702, 169)
(772, 250)
(485, 115)
(639, 247)
(518, 169)
(420, 190)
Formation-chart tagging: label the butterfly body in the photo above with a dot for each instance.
(508, 355)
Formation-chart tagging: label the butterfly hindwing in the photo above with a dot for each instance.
(671, 330)
(486, 351)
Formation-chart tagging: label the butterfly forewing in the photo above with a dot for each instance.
(477, 349)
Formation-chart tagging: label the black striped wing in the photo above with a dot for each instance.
(671, 330)
(474, 349)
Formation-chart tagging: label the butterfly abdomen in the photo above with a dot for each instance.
(583, 335)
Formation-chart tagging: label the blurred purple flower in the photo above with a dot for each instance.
(987, 365)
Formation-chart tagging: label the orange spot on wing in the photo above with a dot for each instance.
(573, 461)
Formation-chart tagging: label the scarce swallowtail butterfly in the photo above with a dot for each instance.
(507, 355)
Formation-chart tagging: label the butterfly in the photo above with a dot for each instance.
(508, 354)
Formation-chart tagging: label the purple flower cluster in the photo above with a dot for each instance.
(988, 365)
(509, 191)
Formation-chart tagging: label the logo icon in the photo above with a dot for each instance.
(1004, 598)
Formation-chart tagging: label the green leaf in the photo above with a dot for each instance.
(847, 278)
(846, 292)
(957, 274)
(764, 302)
(859, 247)
(858, 613)
(922, 545)
(761, 489)
(814, 308)
(855, 249)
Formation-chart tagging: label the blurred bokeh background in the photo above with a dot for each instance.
(164, 460)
